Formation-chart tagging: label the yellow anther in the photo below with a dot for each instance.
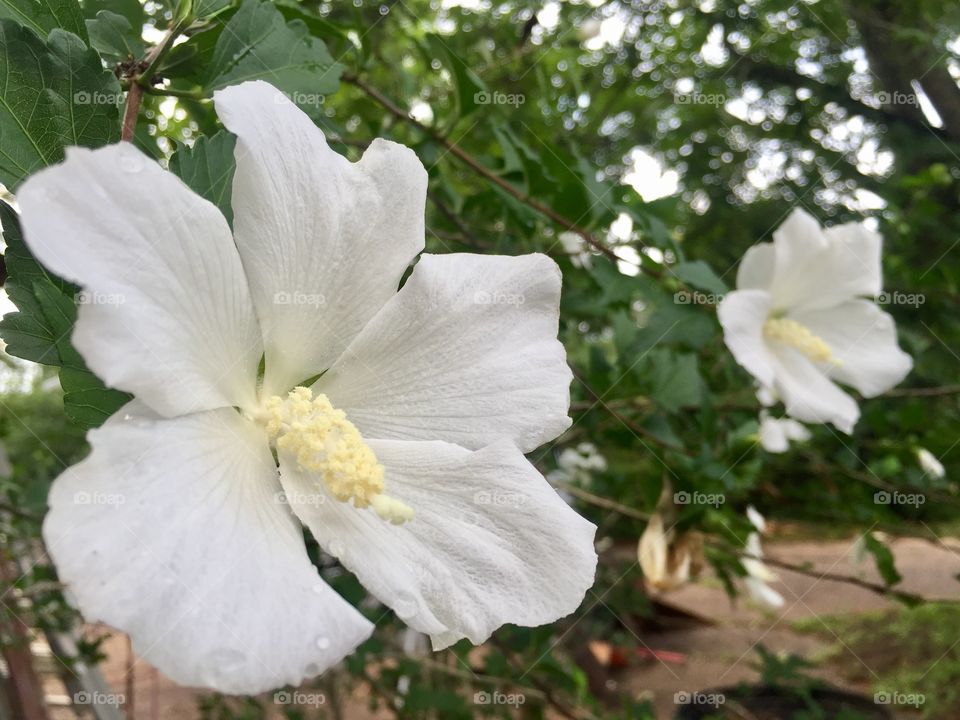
(323, 441)
(790, 332)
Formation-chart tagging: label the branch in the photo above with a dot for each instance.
(482, 170)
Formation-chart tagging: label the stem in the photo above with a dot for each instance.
(131, 112)
(140, 81)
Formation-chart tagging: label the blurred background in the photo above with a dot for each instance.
(644, 146)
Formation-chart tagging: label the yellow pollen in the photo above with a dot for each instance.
(323, 441)
(799, 336)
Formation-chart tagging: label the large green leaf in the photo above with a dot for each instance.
(208, 168)
(258, 44)
(56, 93)
(42, 16)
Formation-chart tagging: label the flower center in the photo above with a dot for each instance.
(796, 335)
(326, 443)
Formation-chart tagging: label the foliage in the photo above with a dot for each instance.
(528, 125)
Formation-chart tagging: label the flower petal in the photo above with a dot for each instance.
(324, 241)
(817, 268)
(776, 434)
(175, 532)
(466, 352)
(166, 313)
(490, 542)
(864, 340)
(757, 267)
(742, 314)
(808, 394)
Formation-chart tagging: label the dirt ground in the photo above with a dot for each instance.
(694, 658)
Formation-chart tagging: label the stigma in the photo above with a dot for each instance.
(799, 336)
(326, 443)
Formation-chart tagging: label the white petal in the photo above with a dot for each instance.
(763, 593)
(808, 394)
(756, 519)
(490, 542)
(324, 241)
(864, 339)
(757, 268)
(166, 312)
(742, 314)
(175, 532)
(930, 464)
(466, 352)
(817, 268)
(776, 433)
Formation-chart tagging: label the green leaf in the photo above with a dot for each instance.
(206, 9)
(699, 275)
(132, 10)
(676, 379)
(42, 16)
(56, 94)
(40, 330)
(883, 558)
(258, 44)
(207, 168)
(86, 400)
(114, 36)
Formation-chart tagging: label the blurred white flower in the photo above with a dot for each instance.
(776, 433)
(574, 246)
(399, 419)
(668, 563)
(800, 321)
(930, 464)
(758, 574)
(577, 465)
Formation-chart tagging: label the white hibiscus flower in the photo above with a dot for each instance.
(930, 464)
(394, 416)
(800, 321)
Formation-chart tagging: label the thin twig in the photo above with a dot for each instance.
(483, 170)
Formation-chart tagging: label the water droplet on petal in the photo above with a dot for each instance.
(319, 588)
(323, 642)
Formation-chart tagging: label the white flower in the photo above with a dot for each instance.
(404, 458)
(575, 247)
(758, 574)
(800, 322)
(930, 464)
(776, 433)
(578, 464)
